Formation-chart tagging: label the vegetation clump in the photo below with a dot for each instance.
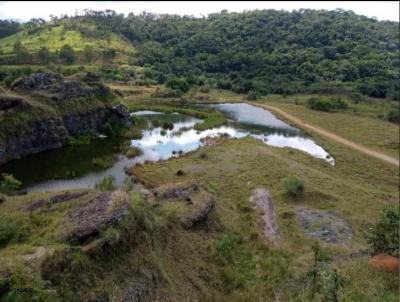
(9, 185)
(292, 186)
(226, 246)
(326, 283)
(253, 95)
(104, 162)
(393, 116)
(326, 104)
(178, 84)
(133, 152)
(213, 120)
(81, 140)
(383, 236)
(8, 229)
(168, 126)
(106, 184)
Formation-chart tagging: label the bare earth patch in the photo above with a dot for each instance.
(262, 198)
(324, 225)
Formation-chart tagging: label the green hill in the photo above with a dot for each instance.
(255, 52)
(79, 35)
(55, 37)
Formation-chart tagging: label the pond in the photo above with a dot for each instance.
(73, 167)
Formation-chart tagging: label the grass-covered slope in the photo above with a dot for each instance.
(55, 37)
(43, 43)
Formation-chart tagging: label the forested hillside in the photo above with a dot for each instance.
(257, 52)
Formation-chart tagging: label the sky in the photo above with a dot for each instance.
(25, 10)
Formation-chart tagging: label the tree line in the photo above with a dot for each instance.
(259, 52)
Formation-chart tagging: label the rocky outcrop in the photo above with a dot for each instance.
(38, 127)
(85, 223)
(191, 202)
(36, 81)
(180, 191)
(262, 198)
(34, 137)
(197, 212)
(139, 291)
(81, 122)
(57, 87)
(58, 198)
(8, 102)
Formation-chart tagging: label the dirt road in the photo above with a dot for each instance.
(330, 135)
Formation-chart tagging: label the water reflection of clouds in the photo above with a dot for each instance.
(248, 114)
(183, 137)
(189, 139)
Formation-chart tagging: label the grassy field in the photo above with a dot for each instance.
(360, 123)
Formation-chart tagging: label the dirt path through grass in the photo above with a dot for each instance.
(330, 135)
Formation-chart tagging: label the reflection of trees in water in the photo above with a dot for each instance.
(63, 163)
(166, 118)
(259, 129)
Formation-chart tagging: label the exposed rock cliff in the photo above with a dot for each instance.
(41, 111)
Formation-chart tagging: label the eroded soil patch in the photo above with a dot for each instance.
(324, 225)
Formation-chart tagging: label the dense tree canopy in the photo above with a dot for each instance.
(257, 52)
(273, 51)
(8, 27)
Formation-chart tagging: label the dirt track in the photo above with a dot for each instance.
(330, 135)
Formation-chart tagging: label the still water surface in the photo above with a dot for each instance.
(72, 167)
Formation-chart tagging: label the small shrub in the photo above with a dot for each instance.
(132, 152)
(114, 129)
(8, 80)
(324, 104)
(203, 155)
(393, 116)
(8, 229)
(225, 247)
(204, 89)
(27, 285)
(2, 198)
(292, 186)
(10, 185)
(253, 95)
(168, 126)
(384, 234)
(106, 184)
(330, 284)
(180, 172)
(104, 162)
(81, 140)
(338, 104)
(155, 123)
(133, 133)
(178, 84)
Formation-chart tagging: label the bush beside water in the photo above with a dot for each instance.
(9, 185)
(106, 184)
